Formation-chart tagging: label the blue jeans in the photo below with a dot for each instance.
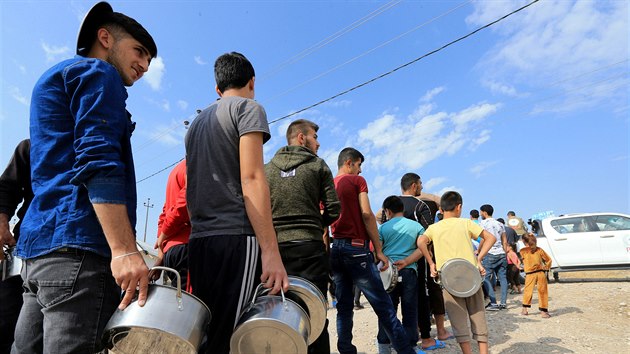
(69, 297)
(356, 265)
(495, 263)
(405, 293)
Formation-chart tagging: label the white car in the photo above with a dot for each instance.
(585, 241)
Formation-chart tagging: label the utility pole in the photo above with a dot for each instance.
(148, 205)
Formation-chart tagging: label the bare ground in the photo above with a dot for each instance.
(590, 313)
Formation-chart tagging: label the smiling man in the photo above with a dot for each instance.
(78, 236)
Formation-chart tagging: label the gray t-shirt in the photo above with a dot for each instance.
(214, 193)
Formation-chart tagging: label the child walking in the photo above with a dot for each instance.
(536, 263)
(514, 266)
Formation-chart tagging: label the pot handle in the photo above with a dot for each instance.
(259, 291)
(179, 284)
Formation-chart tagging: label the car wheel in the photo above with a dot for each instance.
(556, 277)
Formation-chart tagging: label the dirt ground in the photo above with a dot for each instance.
(590, 313)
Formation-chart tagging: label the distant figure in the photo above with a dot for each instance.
(514, 270)
(495, 261)
(516, 223)
(511, 235)
(536, 263)
(474, 216)
(451, 238)
(15, 188)
(174, 225)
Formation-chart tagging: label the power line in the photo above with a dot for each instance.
(405, 65)
(310, 50)
(377, 77)
(367, 52)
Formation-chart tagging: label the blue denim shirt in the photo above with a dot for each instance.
(80, 154)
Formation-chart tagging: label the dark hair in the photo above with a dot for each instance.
(450, 200)
(501, 221)
(300, 126)
(232, 71)
(407, 180)
(511, 213)
(393, 204)
(351, 154)
(118, 24)
(487, 208)
(474, 213)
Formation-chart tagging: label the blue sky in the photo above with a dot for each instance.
(529, 115)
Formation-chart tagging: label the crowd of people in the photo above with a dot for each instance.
(229, 222)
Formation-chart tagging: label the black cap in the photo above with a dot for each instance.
(97, 15)
(101, 14)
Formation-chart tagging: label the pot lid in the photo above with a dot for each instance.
(315, 302)
(460, 277)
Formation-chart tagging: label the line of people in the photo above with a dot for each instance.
(229, 222)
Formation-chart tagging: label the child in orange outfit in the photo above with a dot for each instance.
(536, 263)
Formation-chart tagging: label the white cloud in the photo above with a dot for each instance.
(501, 88)
(338, 104)
(484, 136)
(433, 134)
(200, 61)
(432, 183)
(432, 93)
(450, 188)
(18, 96)
(164, 104)
(557, 41)
(182, 104)
(479, 169)
(153, 77)
(54, 53)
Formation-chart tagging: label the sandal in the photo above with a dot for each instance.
(438, 345)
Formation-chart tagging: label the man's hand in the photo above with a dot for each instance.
(274, 275)
(131, 274)
(482, 270)
(434, 272)
(6, 237)
(380, 256)
(401, 264)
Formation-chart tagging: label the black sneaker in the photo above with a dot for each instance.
(502, 307)
(358, 307)
(493, 307)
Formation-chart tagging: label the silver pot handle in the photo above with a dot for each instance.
(259, 291)
(180, 305)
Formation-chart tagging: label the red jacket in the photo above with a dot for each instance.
(174, 221)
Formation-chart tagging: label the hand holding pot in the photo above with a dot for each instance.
(273, 273)
(131, 273)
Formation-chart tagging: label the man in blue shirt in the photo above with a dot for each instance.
(78, 238)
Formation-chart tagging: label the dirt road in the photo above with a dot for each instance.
(590, 314)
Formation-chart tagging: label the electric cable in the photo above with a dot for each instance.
(406, 64)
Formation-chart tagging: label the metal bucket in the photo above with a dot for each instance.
(459, 277)
(271, 324)
(171, 321)
(11, 265)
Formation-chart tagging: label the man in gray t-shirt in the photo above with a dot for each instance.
(495, 261)
(232, 240)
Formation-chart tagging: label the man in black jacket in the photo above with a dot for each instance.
(15, 188)
(303, 203)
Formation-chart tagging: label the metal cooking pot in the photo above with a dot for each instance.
(171, 321)
(271, 324)
(459, 277)
(389, 276)
(11, 265)
(311, 299)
